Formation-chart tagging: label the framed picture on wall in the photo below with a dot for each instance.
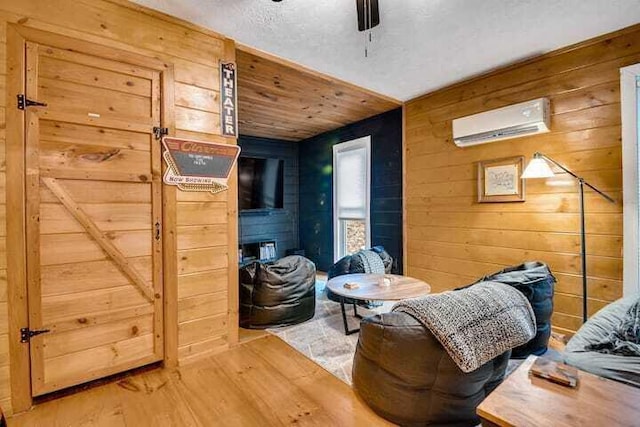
(499, 180)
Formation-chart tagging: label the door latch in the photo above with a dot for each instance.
(24, 102)
(157, 231)
(26, 334)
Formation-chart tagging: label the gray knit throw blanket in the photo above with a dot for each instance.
(371, 261)
(476, 324)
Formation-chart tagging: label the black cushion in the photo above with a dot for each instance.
(535, 281)
(405, 375)
(279, 294)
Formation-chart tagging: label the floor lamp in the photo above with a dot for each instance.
(539, 167)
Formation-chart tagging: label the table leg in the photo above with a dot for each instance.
(355, 310)
(347, 331)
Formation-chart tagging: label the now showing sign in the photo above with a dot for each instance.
(228, 99)
(198, 165)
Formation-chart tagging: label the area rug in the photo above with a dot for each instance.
(322, 338)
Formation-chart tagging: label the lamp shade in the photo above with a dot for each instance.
(537, 168)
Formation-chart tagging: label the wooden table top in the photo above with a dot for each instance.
(402, 287)
(525, 400)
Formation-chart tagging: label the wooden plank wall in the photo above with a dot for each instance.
(206, 223)
(452, 240)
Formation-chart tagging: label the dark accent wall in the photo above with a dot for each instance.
(316, 187)
(280, 225)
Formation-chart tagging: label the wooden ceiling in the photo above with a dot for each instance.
(282, 100)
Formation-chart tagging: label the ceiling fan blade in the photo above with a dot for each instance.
(368, 14)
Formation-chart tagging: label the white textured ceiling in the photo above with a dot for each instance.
(420, 45)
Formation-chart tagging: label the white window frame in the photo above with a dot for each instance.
(355, 144)
(630, 185)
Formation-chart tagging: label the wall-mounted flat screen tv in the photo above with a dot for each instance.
(260, 183)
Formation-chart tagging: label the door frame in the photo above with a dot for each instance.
(18, 310)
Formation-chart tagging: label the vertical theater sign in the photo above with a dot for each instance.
(228, 99)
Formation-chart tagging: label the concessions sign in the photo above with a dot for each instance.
(197, 165)
(228, 99)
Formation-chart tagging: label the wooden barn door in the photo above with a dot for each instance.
(93, 216)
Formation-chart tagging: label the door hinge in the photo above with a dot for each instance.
(24, 102)
(160, 132)
(26, 334)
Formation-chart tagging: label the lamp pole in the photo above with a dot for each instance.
(583, 252)
(583, 235)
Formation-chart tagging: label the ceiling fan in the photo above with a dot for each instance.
(368, 18)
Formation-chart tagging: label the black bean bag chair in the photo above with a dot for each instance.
(598, 329)
(405, 375)
(535, 281)
(352, 264)
(279, 294)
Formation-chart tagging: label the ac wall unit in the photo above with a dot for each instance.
(513, 121)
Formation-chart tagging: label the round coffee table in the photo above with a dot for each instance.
(370, 289)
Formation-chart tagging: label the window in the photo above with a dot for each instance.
(351, 192)
(630, 90)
